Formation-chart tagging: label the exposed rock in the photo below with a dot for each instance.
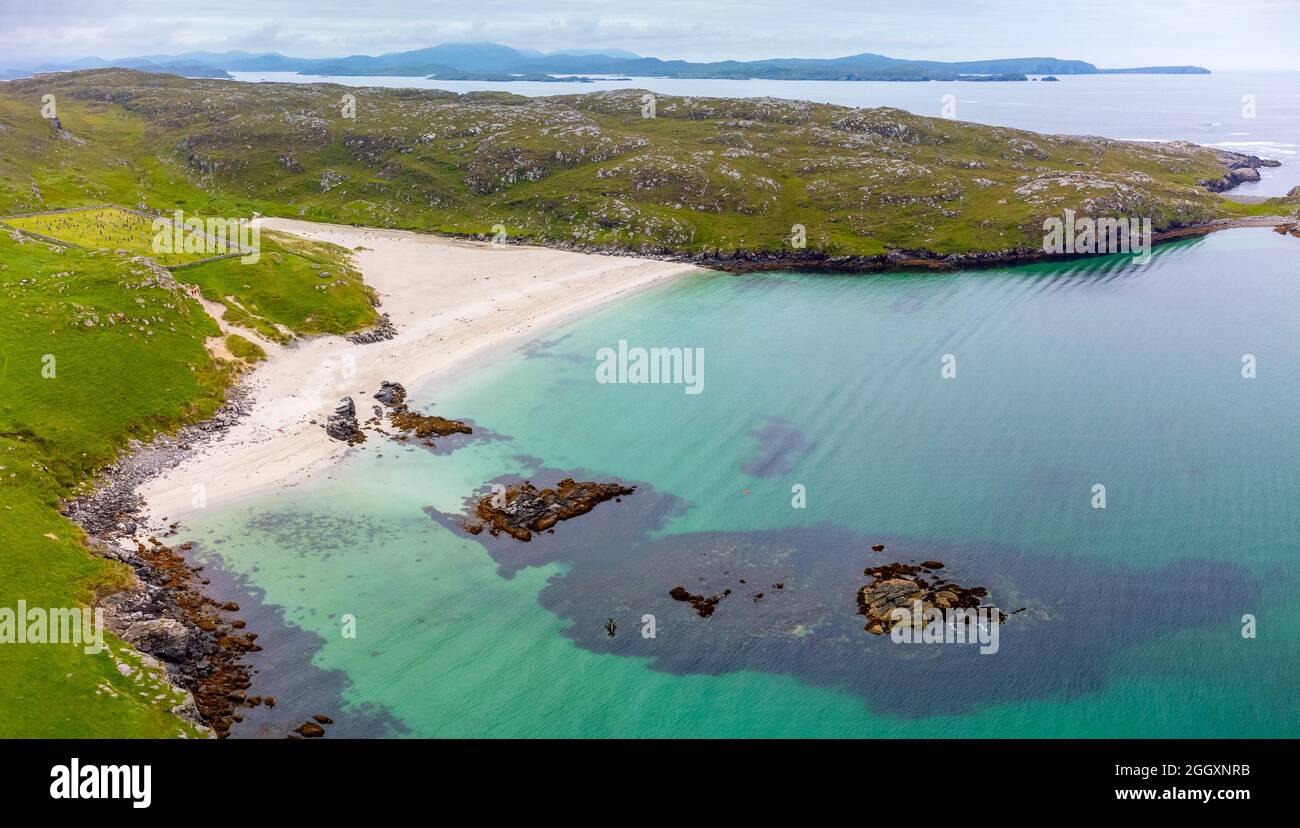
(343, 425)
(163, 637)
(522, 510)
(310, 730)
(391, 393)
(382, 330)
(412, 424)
(899, 586)
(1241, 168)
(165, 614)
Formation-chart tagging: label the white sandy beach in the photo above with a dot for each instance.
(448, 299)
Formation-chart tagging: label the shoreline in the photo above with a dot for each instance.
(813, 261)
(448, 301)
(271, 432)
(272, 442)
(443, 303)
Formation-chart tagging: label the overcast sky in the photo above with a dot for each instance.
(1222, 35)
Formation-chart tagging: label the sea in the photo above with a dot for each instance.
(1107, 445)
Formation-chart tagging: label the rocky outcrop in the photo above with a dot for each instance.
(898, 586)
(381, 331)
(391, 394)
(165, 638)
(521, 510)
(1241, 169)
(343, 425)
(412, 424)
(165, 614)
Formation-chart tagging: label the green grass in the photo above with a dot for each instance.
(112, 228)
(704, 176)
(71, 395)
(249, 352)
(306, 287)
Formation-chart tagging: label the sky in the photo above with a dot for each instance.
(1220, 35)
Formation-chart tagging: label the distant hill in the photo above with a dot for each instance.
(474, 60)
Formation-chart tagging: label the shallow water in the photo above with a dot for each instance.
(1068, 375)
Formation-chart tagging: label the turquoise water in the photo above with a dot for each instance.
(1067, 375)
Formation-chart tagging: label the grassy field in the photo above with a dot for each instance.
(241, 348)
(95, 352)
(112, 228)
(295, 287)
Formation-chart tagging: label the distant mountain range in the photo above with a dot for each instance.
(493, 61)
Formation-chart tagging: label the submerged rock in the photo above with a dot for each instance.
(703, 606)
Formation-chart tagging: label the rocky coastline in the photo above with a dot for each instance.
(1238, 168)
(164, 612)
(739, 262)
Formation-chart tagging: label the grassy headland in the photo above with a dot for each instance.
(703, 178)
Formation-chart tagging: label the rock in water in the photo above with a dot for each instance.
(423, 427)
(899, 585)
(391, 394)
(523, 509)
(310, 730)
(702, 605)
